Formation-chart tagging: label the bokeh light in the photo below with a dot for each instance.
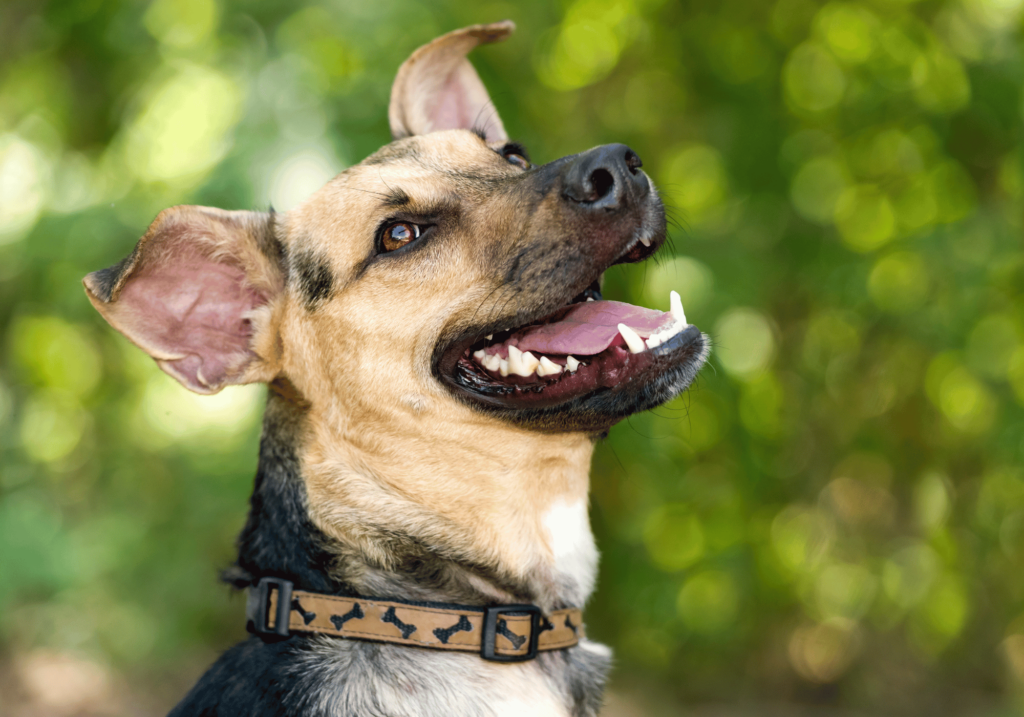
(744, 342)
(830, 521)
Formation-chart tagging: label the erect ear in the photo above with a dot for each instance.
(199, 294)
(437, 88)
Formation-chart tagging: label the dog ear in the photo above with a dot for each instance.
(437, 88)
(198, 294)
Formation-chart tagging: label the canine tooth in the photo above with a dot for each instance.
(645, 240)
(515, 360)
(572, 364)
(503, 367)
(677, 307)
(548, 367)
(489, 336)
(530, 362)
(519, 364)
(633, 341)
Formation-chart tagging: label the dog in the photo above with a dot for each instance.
(440, 363)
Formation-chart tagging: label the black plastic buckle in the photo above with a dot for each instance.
(488, 642)
(257, 606)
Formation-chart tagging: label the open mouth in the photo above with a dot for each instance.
(581, 363)
(589, 345)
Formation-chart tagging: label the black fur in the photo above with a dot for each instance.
(315, 278)
(252, 678)
(396, 199)
(279, 540)
(103, 281)
(267, 240)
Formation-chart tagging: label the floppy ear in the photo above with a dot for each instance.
(198, 294)
(437, 88)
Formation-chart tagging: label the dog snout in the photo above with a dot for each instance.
(605, 178)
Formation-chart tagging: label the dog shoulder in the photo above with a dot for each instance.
(252, 678)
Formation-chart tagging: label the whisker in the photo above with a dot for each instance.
(366, 191)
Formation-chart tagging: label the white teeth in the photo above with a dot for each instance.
(590, 298)
(524, 363)
(677, 307)
(645, 240)
(515, 361)
(530, 363)
(633, 341)
(548, 367)
(678, 324)
(489, 336)
(521, 364)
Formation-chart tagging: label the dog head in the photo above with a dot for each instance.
(444, 270)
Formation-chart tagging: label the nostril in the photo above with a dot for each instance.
(602, 181)
(633, 161)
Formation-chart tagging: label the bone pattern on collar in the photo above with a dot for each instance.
(438, 628)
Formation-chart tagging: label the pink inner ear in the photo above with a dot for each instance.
(192, 310)
(453, 109)
(463, 103)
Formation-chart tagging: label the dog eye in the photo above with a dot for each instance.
(397, 235)
(518, 160)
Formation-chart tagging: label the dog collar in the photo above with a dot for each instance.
(503, 633)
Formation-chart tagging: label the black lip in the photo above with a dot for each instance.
(666, 371)
(681, 355)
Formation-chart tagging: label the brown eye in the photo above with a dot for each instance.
(398, 235)
(518, 160)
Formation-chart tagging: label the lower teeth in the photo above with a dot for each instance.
(525, 364)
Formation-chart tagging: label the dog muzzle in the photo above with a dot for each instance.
(503, 633)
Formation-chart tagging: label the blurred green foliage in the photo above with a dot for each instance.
(834, 514)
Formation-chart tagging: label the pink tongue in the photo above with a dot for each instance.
(589, 328)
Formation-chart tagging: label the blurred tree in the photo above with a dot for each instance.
(834, 514)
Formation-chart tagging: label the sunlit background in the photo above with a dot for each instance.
(830, 523)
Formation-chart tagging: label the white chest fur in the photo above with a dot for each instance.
(572, 544)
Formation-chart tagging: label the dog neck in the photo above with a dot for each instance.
(436, 520)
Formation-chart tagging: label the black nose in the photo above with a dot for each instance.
(605, 178)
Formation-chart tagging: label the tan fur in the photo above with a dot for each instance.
(391, 446)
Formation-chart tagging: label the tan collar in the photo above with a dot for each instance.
(505, 633)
